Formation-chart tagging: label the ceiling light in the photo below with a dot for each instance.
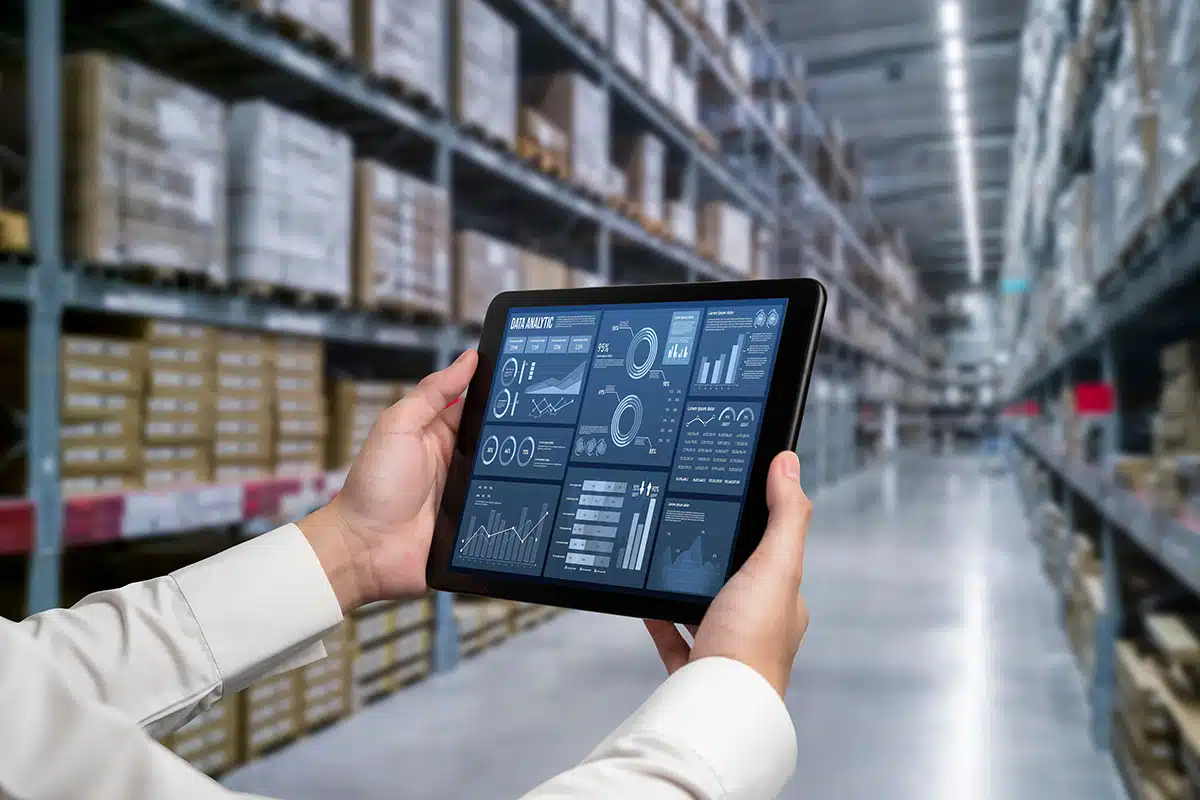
(954, 50)
(956, 78)
(958, 104)
(951, 16)
(960, 125)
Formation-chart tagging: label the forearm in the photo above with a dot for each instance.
(715, 729)
(162, 650)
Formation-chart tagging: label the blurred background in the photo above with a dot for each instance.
(234, 231)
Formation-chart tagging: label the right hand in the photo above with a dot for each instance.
(759, 617)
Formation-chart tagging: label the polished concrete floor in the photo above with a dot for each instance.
(934, 668)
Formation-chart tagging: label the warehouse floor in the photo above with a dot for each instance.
(935, 667)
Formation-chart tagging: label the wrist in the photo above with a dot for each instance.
(341, 554)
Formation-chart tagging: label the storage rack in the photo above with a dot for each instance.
(235, 45)
(1147, 300)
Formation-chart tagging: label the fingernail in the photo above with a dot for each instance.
(791, 466)
(461, 356)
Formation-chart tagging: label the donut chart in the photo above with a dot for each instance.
(640, 369)
(622, 431)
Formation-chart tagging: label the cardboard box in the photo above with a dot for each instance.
(542, 272)
(180, 457)
(239, 473)
(681, 219)
(660, 55)
(144, 169)
(302, 425)
(684, 97)
(211, 741)
(629, 32)
(725, 231)
(183, 381)
(616, 185)
(401, 241)
(549, 139)
(177, 334)
(485, 71)
(1132, 472)
(300, 357)
(291, 201)
(643, 159)
(230, 384)
(404, 41)
(580, 109)
(107, 483)
(1181, 357)
(328, 19)
(247, 426)
(242, 449)
(592, 16)
(99, 459)
(486, 267)
(119, 429)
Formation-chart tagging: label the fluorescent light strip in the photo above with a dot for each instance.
(960, 119)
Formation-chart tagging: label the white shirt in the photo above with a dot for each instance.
(84, 690)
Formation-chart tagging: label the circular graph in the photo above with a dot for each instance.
(502, 404)
(591, 447)
(508, 449)
(491, 446)
(746, 415)
(601, 447)
(508, 373)
(623, 438)
(525, 451)
(639, 370)
(579, 444)
(772, 318)
(727, 414)
(760, 319)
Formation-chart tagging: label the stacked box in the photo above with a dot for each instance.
(144, 169)
(660, 58)
(401, 241)
(725, 232)
(1177, 424)
(542, 272)
(1179, 112)
(580, 109)
(403, 41)
(628, 36)
(325, 686)
(355, 407)
(681, 219)
(14, 232)
(210, 741)
(102, 382)
(300, 418)
(485, 268)
(1134, 99)
(391, 645)
(546, 138)
(485, 71)
(763, 263)
(615, 184)
(1143, 719)
(243, 430)
(643, 159)
(684, 98)
(291, 183)
(328, 19)
(177, 424)
(272, 712)
(592, 16)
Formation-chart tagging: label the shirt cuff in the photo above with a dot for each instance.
(730, 718)
(262, 605)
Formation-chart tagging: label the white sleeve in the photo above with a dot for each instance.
(60, 746)
(714, 729)
(163, 650)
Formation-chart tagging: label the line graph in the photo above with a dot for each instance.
(506, 525)
(540, 408)
(701, 420)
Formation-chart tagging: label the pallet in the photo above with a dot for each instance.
(621, 205)
(154, 275)
(406, 312)
(541, 159)
(652, 226)
(301, 298)
(706, 252)
(300, 32)
(400, 89)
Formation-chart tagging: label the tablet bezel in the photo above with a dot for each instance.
(781, 418)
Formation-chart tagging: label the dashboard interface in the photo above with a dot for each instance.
(617, 443)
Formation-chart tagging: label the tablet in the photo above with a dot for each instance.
(615, 442)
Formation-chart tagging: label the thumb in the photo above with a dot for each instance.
(782, 545)
(434, 393)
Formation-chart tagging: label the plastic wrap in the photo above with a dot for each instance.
(1135, 100)
(405, 41)
(1073, 245)
(1103, 180)
(1179, 114)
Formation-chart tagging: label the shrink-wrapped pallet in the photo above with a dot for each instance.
(485, 268)
(629, 36)
(485, 71)
(580, 109)
(403, 41)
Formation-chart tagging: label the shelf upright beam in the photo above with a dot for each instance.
(689, 186)
(445, 653)
(1108, 625)
(604, 265)
(43, 49)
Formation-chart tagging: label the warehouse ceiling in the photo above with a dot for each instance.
(876, 66)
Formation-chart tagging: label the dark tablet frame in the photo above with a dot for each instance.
(781, 418)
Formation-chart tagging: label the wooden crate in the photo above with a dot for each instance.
(271, 713)
(211, 742)
(390, 647)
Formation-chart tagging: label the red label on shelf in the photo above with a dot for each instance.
(16, 526)
(1094, 398)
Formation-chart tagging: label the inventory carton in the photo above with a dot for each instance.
(643, 159)
(580, 109)
(660, 51)
(592, 16)
(486, 267)
(542, 272)
(327, 19)
(485, 71)
(725, 231)
(681, 219)
(403, 41)
(629, 32)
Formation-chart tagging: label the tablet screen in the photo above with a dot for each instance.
(617, 441)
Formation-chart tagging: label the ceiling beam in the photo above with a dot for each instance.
(907, 193)
(915, 240)
(995, 138)
(990, 45)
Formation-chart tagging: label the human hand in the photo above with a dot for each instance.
(373, 538)
(759, 617)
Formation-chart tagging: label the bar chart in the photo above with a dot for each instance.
(506, 526)
(737, 351)
(724, 371)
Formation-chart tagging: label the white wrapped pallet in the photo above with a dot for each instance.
(485, 71)
(580, 109)
(291, 183)
(683, 96)
(660, 49)
(629, 36)
(1179, 113)
(681, 219)
(404, 41)
(1073, 246)
(326, 18)
(1136, 106)
(725, 232)
(592, 15)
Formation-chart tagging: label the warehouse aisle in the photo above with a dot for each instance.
(934, 668)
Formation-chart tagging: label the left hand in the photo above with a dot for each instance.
(373, 538)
